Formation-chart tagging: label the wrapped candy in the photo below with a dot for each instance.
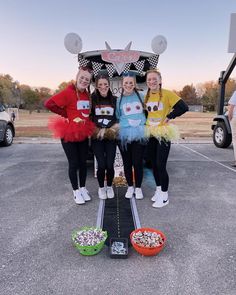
(89, 237)
(147, 239)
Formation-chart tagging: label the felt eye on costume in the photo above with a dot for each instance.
(104, 110)
(132, 108)
(154, 106)
(83, 105)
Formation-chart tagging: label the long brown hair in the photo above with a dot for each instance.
(160, 85)
(97, 92)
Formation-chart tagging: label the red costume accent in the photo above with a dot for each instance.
(75, 108)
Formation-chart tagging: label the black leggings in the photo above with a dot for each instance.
(76, 153)
(132, 156)
(158, 153)
(105, 152)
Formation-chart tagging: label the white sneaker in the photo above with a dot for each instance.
(138, 193)
(130, 192)
(162, 200)
(157, 192)
(102, 193)
(110, 192)
(78, 197)
(85, 194)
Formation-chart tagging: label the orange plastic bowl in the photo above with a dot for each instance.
(148, 251)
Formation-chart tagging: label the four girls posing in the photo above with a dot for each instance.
(110, 121)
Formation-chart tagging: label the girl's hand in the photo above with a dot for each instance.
(166, 120)
(115, 127)
(230, 111)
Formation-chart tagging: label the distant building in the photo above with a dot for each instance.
(196, 108)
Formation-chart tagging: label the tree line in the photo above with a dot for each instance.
(14, 94)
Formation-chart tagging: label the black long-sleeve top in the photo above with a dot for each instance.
(103, 110)
(178, 109)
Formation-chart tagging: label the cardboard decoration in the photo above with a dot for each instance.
(116, 61)
(159, 44)
(73, 43)
(119, 58)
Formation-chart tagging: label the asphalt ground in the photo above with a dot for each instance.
(38, 214)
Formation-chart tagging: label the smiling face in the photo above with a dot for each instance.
(84, 108)
(128, 85)
(154, 108)
(154, 81)
(133, 112)
(102, 85)
(83, 79)
(104, 115)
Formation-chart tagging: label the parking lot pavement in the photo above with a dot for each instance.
(38, 214)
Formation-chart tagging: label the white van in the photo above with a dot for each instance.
(7, 129)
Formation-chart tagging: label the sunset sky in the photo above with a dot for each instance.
(32, 36)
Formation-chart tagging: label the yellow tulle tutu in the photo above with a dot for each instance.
(167, 132)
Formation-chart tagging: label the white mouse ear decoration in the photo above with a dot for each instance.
(159, 44)
(73, 43)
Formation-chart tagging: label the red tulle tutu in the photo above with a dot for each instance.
(70, 130)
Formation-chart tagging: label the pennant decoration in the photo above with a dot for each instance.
(126, 68)
(96, 67)
(110, 69)
(139, 65)
(153, 60)
(82, 61)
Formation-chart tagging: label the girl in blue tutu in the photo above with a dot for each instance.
(130, 112)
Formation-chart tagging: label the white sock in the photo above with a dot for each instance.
(74, 191)
(165, 195)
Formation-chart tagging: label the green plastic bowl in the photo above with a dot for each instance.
(88, 250)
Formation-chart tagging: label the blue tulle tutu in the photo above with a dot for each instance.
(129, 134)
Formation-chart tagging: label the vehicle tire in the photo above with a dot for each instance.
(221, 137)
(8, 137)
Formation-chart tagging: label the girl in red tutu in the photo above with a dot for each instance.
(74, 127)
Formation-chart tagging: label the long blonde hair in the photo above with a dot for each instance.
(160, 88)
(90, 71)
(135, 90)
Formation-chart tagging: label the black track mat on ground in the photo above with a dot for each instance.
(118, 219)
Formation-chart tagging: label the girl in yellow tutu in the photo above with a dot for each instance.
(162, 106)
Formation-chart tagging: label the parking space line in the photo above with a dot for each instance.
(211, 160)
